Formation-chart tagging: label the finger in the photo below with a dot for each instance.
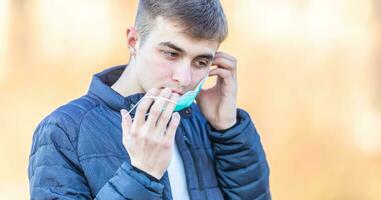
(143, 107)
(225, 74)
(167, 113)
(225, 63)
(172, 127)
(126, 121)
(157, 107)
(226, 55)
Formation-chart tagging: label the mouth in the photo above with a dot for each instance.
(174, 91)
(177, 92)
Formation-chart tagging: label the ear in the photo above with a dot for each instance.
(132, 39)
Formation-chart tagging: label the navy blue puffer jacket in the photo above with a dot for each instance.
(77, 153)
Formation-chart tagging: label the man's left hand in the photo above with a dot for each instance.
(219, 103)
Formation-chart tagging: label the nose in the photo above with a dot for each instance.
(182, 74)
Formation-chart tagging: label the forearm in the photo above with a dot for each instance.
(241, 164)
(129, 183)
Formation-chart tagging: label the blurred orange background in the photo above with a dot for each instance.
(309, 74)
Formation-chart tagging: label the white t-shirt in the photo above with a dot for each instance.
(177, 176)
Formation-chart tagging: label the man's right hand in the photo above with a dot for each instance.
(149, 142)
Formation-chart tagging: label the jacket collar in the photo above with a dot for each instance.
(100, 87)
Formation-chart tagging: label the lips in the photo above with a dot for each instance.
(174, 91)
(178, 92)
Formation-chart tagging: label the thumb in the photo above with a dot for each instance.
(126, 121)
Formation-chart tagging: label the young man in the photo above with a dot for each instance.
(123, 140)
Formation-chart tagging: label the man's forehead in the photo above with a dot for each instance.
(188, 48)
(167, 31)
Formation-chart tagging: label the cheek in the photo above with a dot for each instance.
(162, 68)
(155, 71)
(199, 74)
(160, 64)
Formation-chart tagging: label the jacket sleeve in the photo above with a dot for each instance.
(241, 166)
(55, 173)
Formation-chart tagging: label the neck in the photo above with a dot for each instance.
(128, 84)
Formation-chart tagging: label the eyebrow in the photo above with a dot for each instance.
(173, 46)
(206, 56)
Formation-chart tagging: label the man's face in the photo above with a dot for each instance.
(170, 58)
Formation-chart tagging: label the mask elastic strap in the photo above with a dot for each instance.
(153, 97)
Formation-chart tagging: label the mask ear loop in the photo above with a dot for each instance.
(160, 97)
(153, 97)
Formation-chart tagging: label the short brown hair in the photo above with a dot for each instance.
(201, 19)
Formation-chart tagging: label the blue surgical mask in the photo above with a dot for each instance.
(184, 101)
(188, 98)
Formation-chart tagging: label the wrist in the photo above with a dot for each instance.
(152, 178)
(224, 125)
(148, 171)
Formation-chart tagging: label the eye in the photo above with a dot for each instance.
(170, 55)
(201, 63)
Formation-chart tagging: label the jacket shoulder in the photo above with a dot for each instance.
(68, 117)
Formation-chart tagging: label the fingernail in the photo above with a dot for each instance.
(123, 112)
(175, 95)
(176, 114)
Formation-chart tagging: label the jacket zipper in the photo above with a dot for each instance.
(196, 167)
